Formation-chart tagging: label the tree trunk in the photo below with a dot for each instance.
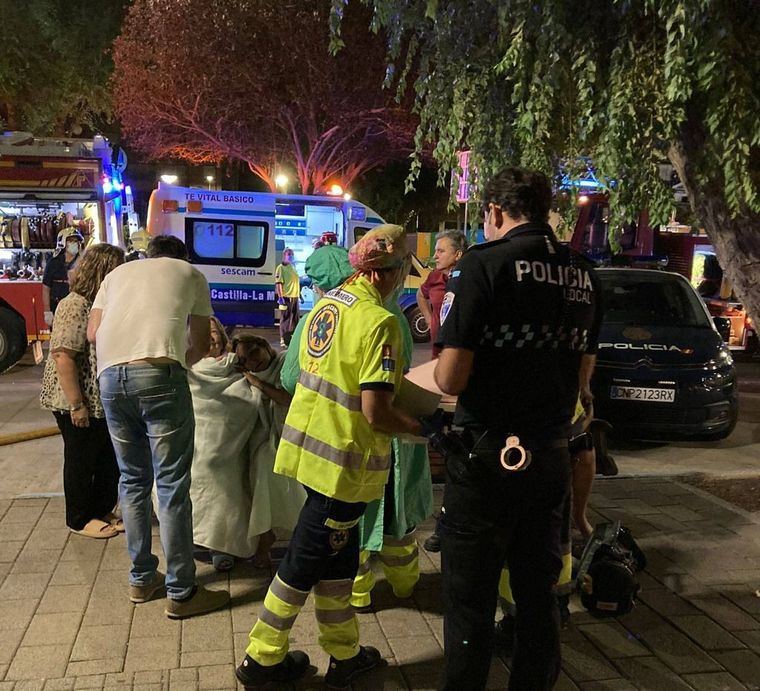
(736, 238)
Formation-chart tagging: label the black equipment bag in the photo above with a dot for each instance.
(607, 579)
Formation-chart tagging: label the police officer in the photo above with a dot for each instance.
(336, 441)
(519, 315)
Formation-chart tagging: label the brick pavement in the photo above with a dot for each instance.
(66, 622)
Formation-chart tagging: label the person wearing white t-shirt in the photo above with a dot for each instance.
(149, 322)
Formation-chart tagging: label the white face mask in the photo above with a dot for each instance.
(72, 248)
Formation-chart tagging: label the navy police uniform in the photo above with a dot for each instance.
(528, 308)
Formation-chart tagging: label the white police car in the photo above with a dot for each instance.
(663, 371)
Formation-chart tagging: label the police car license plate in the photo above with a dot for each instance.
(643, 393)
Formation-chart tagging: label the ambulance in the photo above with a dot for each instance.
(47, 184)
(236, 240)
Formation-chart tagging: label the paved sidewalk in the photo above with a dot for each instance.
(66, 622)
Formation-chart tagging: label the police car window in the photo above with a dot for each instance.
(646, 301)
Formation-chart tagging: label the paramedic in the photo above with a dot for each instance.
(336, 441)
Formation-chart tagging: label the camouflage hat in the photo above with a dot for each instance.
(383, 247)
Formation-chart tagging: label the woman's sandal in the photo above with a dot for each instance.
(115, 522)
(97, 529)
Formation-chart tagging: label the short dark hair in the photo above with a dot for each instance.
(520, 192)
(167, 246)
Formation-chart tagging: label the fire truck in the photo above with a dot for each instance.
(681, 248)
(46, 185)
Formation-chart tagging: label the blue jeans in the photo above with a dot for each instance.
(150, 417)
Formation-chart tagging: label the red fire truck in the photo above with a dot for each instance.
(46, 185)
(679, 248)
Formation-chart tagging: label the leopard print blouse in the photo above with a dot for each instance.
(70, 331)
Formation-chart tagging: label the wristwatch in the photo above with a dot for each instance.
(78, 406)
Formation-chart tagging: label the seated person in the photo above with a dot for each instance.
(239, 411)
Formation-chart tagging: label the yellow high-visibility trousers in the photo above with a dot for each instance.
(338, 626)
(401, 565)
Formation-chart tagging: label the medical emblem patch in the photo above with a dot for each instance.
(338, 539)
(322, 329)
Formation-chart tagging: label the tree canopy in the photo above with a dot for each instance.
(254, 80)
(55, 64)
(628, 84)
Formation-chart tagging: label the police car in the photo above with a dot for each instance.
(663, 371)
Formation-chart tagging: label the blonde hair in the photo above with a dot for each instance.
(97, 262)
(217, 326)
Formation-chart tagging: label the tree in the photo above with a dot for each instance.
(629, 83)
(253, 80)
(55, 64)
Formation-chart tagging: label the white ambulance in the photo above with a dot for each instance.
(237, 238)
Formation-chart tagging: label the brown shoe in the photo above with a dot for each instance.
(145, 593)
(200, 602)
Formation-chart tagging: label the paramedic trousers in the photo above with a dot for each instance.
(324, 555)
(399, 557)
(289, 319)
(492, 517)
(400, 560)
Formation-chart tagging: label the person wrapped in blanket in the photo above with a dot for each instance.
(388, 524)
(239, 408)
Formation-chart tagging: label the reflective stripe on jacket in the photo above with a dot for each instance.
(350, 342)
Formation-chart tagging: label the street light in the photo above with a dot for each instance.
(281, 181)
(209, 180)
(169, 178)
(347, 196)
(335, 190)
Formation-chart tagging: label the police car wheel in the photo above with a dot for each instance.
(12, 338)
(417, 324)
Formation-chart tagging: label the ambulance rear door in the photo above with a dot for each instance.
(359, 219)
(230, 237)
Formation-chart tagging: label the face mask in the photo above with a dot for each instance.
(72, 248)
(395, 294)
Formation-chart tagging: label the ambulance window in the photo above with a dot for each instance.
(250, 241)
(221, 241)
(214, 240)
(360, 232)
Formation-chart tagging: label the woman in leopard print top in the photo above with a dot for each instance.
(70, 391)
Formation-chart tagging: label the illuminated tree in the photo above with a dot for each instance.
(55, 64)
(629, 83)
(253, 80)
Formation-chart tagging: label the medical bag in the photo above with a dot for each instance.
(607, 577)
